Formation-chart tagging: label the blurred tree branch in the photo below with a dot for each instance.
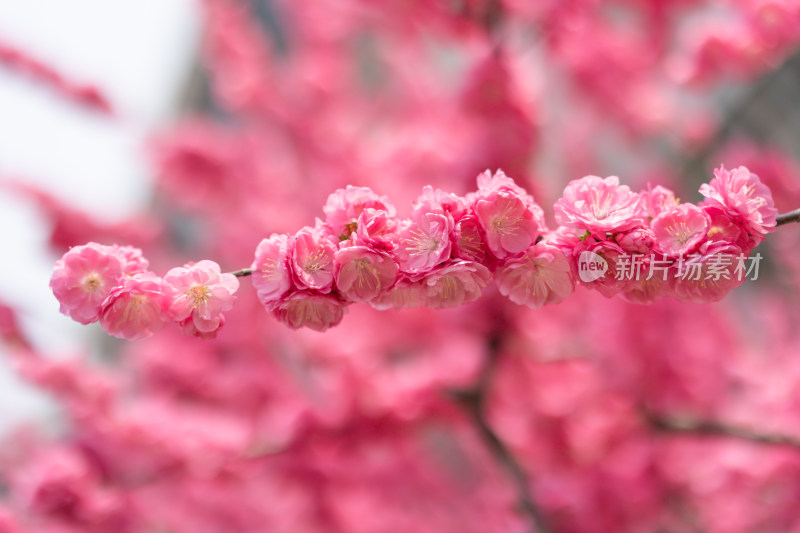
(736, 114)
(710, 428)
(473, 400)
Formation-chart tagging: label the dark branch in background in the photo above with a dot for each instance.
(736, 114)
(710, 428)
(787, 218)
(473, 400)
(243, 272)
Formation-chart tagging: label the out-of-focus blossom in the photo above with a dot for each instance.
(133, 262)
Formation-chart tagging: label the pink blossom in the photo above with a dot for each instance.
(362, 274)
(507, 221)
(470, 242)
(655, 200)
(136, 308)
(312, 260)
(721, 227)
(455, 284)
(438, 201)
(637, 241)
(190, 329)
(499, 182)
(133, 262)
(314, 311)
(345, 205)
(680, 230)
(62, 483)
(646, 291)
(612, 282)
(708, 275)
(377, 229)
(271, 273)
(424, 242)
(743, 197)
(541, 276)
(201, 293)
(599, 205)
(83, 278)
(406, 294)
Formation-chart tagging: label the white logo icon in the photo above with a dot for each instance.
(591, 266)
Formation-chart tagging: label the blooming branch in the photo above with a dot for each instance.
(640, 245)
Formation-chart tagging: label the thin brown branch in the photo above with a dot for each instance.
(710, 428)
(787, 218)
(243, 272)
(474, 401)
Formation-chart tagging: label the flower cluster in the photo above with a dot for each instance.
(606, 222)
(444, 255)
(112, 285)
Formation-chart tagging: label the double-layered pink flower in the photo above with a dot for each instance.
(345, 205)
(456, 284)
(679, 230)
(137, 307)
(314, 311)
(201, 293)
(271, 273)
(363, 274)
(424, 242)
(655, 200)
(470, 241)
(598, 205)
(542, 275)
(708, 275)
(312, 260)
(743, 197)
(83, 278)
(508, 216)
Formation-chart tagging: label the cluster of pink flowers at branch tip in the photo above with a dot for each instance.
(444, 255)
(112, 285)
(691, 252)
(452, 247)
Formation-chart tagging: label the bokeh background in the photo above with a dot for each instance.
(194, 129)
